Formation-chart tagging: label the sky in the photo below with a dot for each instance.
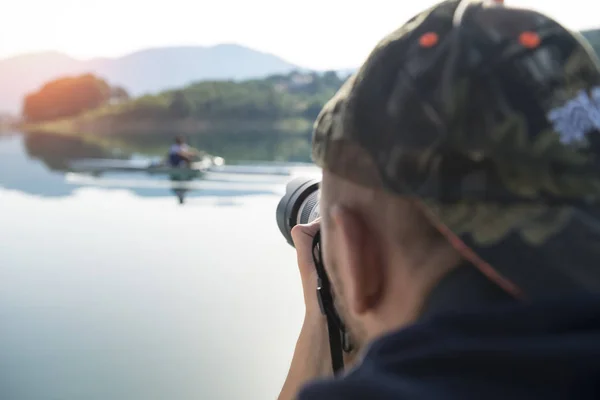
(319, 34)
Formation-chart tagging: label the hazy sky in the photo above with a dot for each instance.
(318, 34)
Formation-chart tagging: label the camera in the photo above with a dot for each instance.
(299, 205)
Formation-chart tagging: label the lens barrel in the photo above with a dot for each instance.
(299, 205)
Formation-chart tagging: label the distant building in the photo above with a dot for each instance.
(295, 80)
(298, 79)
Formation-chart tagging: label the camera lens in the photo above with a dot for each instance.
(299, 205)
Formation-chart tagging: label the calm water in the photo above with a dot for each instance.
(111, 290)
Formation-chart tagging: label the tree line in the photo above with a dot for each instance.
(293, 95)
(275, 97)
(68, 97)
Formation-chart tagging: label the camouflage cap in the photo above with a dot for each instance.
(491, 116)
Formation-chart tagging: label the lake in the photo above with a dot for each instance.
(112, 290)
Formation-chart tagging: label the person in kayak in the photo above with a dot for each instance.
(460, 215)
(181, 154)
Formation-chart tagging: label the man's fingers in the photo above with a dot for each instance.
(303, 235)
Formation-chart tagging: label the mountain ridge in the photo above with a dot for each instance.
(142, 50)
(141, 72)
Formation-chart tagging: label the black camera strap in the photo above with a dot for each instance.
(334, 324)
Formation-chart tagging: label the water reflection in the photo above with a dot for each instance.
(39, 164)
(55, 151)
(27, 174)
(235, 147)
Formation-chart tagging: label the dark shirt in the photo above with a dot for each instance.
(549, 349)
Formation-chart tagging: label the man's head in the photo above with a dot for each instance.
(382, 254)
(179, 140)
(454, 141)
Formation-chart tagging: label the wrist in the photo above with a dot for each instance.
(314, 337)
(311, 358)
(314, 318)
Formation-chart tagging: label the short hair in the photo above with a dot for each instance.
(402, 219)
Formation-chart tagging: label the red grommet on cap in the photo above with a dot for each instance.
(429, 39)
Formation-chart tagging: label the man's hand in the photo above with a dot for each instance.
(303, 236)
(312, 358)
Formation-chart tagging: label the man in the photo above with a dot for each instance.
(180, 153)
(460, 215)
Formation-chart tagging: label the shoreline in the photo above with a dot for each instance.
(107, 127)
(153, 140)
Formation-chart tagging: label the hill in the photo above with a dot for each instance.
(142, 72)
(284, 102)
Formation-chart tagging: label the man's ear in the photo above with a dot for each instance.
(360, 267)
